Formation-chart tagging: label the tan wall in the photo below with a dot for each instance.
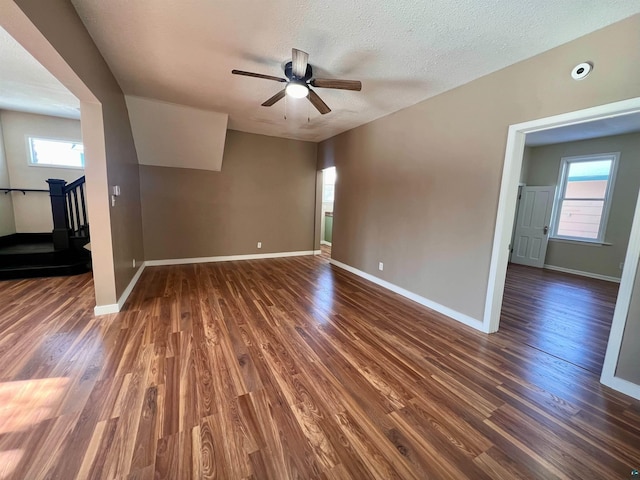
(32, 212)
(7, 222)
(418, 189)
(266, 192)
(110, 152)
(544, 166)
(169, 135)
(629, 360)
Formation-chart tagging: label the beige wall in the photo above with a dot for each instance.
(418, 189)
(110, 153)
(266, 192)
(7, 222)
(544, 166)
(629, 361)
(32, 212)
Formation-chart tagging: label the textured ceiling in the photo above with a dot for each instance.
(403, 51)
(27, 86)
(182, 51)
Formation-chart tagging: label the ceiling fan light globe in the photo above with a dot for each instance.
(297, 90)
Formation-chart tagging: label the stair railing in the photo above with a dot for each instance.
(69, 211)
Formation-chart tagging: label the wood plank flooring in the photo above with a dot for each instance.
(287, 368)
(567, 316)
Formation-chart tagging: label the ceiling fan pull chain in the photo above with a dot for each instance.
(285, 107)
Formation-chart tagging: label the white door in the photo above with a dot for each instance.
(532, 226)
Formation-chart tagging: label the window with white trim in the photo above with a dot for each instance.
(56, 153)
(583, 197)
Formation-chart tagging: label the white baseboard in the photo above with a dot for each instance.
(460, 317)
(116, 307)
(582, 274)
(324, 242)
(105, 309)
(621, 385)
(228, 258)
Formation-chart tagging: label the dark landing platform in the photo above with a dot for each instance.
(28, 255)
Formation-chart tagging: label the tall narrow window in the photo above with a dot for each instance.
(583, 197)
(56, 153)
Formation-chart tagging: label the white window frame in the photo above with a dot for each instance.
(32, 163)
(562, 187)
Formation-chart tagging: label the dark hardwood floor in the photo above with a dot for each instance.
(564, 315)
(287, 368)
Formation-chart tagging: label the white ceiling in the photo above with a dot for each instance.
(27, 86)
(403, 51)
(604, 127)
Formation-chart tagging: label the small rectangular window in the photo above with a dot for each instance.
(584, 196)
(56, 153)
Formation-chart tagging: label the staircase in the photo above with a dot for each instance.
(61, 252)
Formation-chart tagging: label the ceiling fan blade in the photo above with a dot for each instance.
(318, 103)
(339, 84)
(258, 75)
(299, 60)
(277, 97)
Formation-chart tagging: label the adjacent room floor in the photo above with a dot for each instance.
(566, 316)
(287, 368)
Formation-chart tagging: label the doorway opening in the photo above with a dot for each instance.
(44, 223)
(625, 116)
(328, 197)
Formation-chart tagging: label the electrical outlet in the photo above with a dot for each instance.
(134, 263)
(259, 244)
(621, 265)
(380, 266)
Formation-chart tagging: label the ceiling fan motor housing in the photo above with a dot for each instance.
(288, 73)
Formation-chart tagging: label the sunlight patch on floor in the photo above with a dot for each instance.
(24, 404)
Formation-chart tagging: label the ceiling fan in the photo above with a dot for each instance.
(300, 80)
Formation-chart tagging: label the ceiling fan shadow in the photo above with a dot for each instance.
(355, 62)
(383, 93)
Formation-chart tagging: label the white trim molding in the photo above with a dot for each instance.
(227, 258)
(99, 310)
(621, 313)
(460, 317)
(317, 252)
(116, 307)
(582, 274)
(324, 242)
(621, 385)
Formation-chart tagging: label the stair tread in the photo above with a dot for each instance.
(33, 255)
(39, 267)
(27, 248)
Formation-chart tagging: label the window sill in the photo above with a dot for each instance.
(580, 242)
(61, 167)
